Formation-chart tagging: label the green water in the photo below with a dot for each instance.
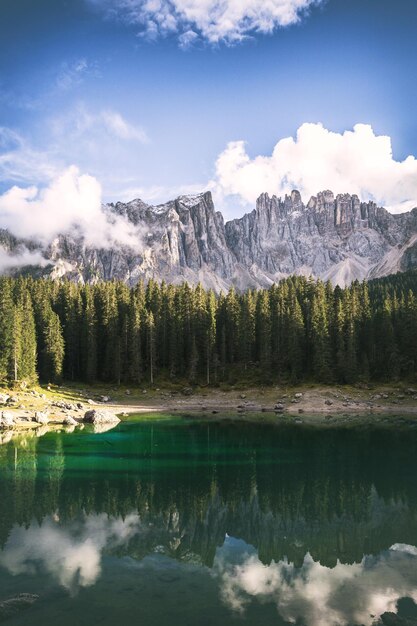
(172, 521)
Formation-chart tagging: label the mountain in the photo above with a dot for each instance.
(335, 238)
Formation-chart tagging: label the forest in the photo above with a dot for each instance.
(298, 330)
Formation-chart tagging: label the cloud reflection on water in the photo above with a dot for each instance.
(313, 594)
(71, 554)
(316, 595)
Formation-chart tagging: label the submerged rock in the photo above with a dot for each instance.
(97, 416)
(10, 607)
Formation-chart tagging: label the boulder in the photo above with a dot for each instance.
(97, 416)
(298, 395)
(4, 398)
(68, 406)
(70, 421)
(105, 398)
(7, 419)
(12, 606)
(328, 402)
(41, 417)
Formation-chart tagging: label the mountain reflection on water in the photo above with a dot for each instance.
(258, 523)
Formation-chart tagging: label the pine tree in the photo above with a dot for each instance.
(151, 345)
(136, 317)
(53, 348)
(247, 323)
(23, 356)
(263, 326)
(6, 328)
(296, 338)
(210, 332)
(89, 337)
(320, 338)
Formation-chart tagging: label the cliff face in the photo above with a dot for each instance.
(337, 238)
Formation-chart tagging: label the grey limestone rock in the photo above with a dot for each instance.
(336, 238)
(41, 417)
(99, 417)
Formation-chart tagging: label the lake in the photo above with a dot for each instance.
(168, 521)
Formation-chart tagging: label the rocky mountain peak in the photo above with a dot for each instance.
(332, 237)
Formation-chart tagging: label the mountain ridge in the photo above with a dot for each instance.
(336, 238)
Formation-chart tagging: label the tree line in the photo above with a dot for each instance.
(297, 330)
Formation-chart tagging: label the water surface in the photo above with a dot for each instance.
(174, 521)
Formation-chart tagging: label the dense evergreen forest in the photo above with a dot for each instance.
(299, 329)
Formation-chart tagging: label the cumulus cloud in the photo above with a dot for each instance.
(71, 555)
(230, 21)
(356, 161)
(316, 595)
(71, 203)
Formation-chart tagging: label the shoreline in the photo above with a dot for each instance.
(312, 405)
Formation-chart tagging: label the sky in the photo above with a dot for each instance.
(106, 100)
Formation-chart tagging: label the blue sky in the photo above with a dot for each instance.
(152, 102)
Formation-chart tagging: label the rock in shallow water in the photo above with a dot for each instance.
(10, 607)
(97, 416)
(70, 421)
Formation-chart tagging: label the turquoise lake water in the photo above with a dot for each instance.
(180, 522)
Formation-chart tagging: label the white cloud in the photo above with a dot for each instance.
(73, 73)
(316, 595)
(91, 125)
(19, 258)
(115, 124)
(357, 161)
(71, 555)
(19, 162)
(214, 20)
(70, 203)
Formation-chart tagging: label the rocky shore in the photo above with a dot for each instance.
(43, 409)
